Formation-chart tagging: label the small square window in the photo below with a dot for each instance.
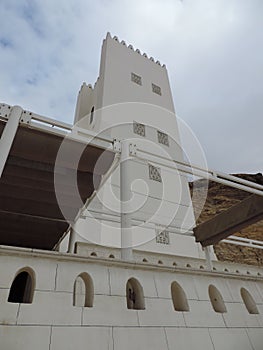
(136, 78)
(156, 89)
(162, 237)
(139, 129)
(155, 173)
(163, 138)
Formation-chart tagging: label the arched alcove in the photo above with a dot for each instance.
(216, 299)
(249, 301)
(91, 115)
(83, 293)
(179, 298)
(23, 287)
(134, 295)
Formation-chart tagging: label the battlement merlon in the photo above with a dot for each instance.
(125, 75)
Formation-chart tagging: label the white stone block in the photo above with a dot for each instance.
(260, 315)
(202, 283)
(119, 278)
(109, 311)
(230, 339)
(139, 338)
(45, 270)
(258, 291)
(8, 311)
(236, 285)
(24, 338)
(238, 316)
(254, 290)
(78, 338)
(201, 314)
(188, 339)
(164, 280)
(259, 285)
(52, 308)
(256, 338)
(68, 272)
(160, 312)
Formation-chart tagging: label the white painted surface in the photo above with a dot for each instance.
(18, 338)
(190, 339)
(229, 339)
(118, 103)
(139, 338)
(72, 338)
(50, 308)
(51, 322)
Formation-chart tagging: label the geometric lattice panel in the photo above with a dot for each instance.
(139, 129)
(155, 173)
(136, 78)
(162, 237)
(163, 138)
(156, 89)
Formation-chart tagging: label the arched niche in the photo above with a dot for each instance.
(179, 298)
(23, 287)
(83, 293)
(249, 301)
(216, 299)
(92, 115)
(134, 295)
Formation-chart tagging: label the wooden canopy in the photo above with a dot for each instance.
(30, 214)
(241, 215)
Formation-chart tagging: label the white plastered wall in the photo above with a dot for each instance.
(118, 103)
(52, 322)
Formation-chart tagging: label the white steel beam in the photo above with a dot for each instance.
(8, 135)
(125, 197)
(72, 239)
(208, 256)
(183, 167)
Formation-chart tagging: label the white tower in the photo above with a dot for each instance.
(132, 100)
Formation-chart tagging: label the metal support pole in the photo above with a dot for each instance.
(208, 256)
(125, 196)
(8, 135)
(72, 239)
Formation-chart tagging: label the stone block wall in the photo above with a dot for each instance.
(52, 322)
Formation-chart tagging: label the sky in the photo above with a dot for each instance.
(212, 49)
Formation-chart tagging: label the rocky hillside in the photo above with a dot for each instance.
(220, 198)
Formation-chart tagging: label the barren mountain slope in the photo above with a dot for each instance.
(220, 198)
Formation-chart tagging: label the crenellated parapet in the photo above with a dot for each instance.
(122, 42)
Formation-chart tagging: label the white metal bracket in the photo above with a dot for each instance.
(9, 134)
(26, 117)
(116, 146)
(4, 111)
(132, 149)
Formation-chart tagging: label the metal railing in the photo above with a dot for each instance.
(126, 150)
(245, 242)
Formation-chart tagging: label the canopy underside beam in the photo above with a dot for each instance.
(241, 215)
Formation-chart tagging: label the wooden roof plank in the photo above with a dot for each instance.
(241, 215)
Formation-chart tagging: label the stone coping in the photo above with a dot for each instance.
(143, 260)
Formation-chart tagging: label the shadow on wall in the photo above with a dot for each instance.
(23, 287)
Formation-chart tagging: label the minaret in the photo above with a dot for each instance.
(132, 100)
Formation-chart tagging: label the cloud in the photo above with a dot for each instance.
(212, 50)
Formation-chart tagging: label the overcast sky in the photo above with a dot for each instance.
(212, 49)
